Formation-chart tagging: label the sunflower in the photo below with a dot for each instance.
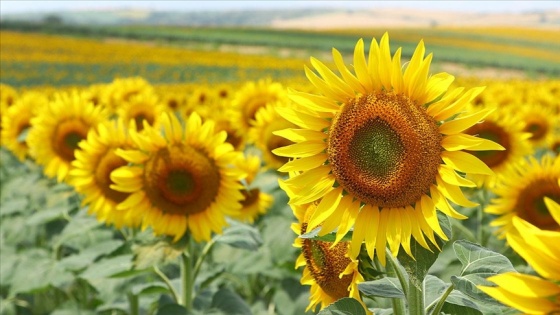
(123, 89)
(90, 173)
(506, 129)
(328, 269)
(16, 122)
(380, 148)
(254, 95)
(541, 122)
(529, 293)
(267, 122)
(521, 192)
(144, 107)
(225, 120)
(8, 96)
(57, 129)
(255, 202)
(183, 178)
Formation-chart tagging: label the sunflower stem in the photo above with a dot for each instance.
(202, 256)
(415, 298)
(187, 276)
(393, 270)
(440, 302)
(133, 303)
(165, 279)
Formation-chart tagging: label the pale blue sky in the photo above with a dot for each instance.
(23, 6)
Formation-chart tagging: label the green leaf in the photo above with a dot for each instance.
(88, 256)
(172, 309)
(108, 267)
(385, 287)
(150, 288)
(478, 264)
(240, 235)
(344, 306)
(230, 303)
(274, 231)
(43, 216)
(14, 205)
(37, 271)
(330, 237)
(459, 309)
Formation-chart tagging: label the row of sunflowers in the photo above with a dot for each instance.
(367, 160)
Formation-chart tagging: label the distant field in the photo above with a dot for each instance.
(168, 54)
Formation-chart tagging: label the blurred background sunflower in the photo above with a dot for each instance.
(57, 129)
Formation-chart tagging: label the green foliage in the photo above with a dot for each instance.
(344, 306)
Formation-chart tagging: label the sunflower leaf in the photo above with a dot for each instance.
(230, 303)
(388, 287)
(330, 237)
(344, 306)
(241, 235)
(478, 263)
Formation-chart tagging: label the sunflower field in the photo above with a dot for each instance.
(343, 172)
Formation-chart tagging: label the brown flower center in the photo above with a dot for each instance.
(491, 131)
(537, 127)
(108, 163)
(181, 180)
(67, 136)
(326, 264)
(530, 204)
(384, 149)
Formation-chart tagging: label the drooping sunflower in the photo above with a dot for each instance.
(506, 129)
(16, 122)
(57, 129)
(328, 269)
(267, 122)
(381, 148)
(255, 202)
(183, 178)
(143, 107)
(91, 170)
(521, 192)
(254, 95)
(529, 293)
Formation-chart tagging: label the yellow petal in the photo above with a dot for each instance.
(453, 193)
(300, 135)
(463, 122)
(525, 285)
(465, 162)
(304, 164)
(527, 305)
(449, 176)
(325, 208)
(303, 120)
(302, 149)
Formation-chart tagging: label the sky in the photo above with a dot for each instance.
(24, 6)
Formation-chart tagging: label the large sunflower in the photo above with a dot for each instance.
(528, 293)
(506, 129)
(16, 122)
(57, 129)
(521, 192)
(381, 148)
(91, 170)
(328, 269)
(181, 178)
